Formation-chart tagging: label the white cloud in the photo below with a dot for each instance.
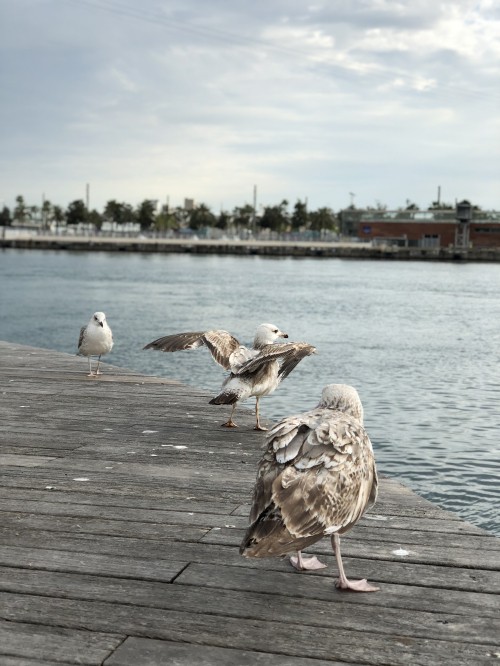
(205, 100)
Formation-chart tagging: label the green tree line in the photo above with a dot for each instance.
(151, 217)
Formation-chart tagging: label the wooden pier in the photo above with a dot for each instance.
(122, 505)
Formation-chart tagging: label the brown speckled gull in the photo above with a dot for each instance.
(253, 372)
(316, 478)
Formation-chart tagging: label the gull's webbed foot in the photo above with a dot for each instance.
(356, 585)
(306, 564)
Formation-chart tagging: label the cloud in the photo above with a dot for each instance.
(206, 100)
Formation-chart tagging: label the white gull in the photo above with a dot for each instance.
(95, 339)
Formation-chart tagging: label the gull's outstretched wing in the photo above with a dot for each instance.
(288, 355)
(221, 344)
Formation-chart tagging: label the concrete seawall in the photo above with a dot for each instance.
(250, 247)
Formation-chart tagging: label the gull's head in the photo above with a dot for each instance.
(98, 319)
(344, 398)
(266, 334)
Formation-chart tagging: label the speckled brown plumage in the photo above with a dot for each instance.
(316, 477)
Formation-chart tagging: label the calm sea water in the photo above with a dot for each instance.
(420, 341)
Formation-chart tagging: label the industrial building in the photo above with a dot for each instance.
(465, 227)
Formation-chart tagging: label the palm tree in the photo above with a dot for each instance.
(57, 216)
(202, 217)
(33, 213)
(20, 211)
(46, 211)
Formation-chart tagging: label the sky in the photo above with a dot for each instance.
(334, 102)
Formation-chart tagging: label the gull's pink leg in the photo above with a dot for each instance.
(343, 583)
(98, 361)
(230, 423)
(309, 564)
(257, 425)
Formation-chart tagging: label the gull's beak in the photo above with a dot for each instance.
(101, 323)
(284, 335)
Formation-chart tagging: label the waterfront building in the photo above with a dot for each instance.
(465, 226)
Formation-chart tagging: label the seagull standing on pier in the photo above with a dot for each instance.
(96, 339)
(254, 372)
(316, 478)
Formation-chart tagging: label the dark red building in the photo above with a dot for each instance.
(431, 228)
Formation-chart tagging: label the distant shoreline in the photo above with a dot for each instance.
(271, 248)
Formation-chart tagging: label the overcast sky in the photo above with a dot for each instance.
(333, 101)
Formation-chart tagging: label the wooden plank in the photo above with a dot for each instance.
(24, 661)
(352, 546)
(154, 481)
(32, 450)
(19, 510)
(381, 523)
(123, 501)
(150, 652)
(381, 514)
(403, 510)
(294, 584)
(131, 487)
(183, 530)
(36, 641)
(153, 469)
(333, 608)
(475, 541)
(106, 564)
(19, 460)
(35, 515)
(39, 497)
(438, 523)
(25, 549)
(211, 484)
(294, 639)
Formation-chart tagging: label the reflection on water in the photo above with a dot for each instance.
(420, 342)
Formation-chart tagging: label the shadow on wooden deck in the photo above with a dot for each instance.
(122, 505)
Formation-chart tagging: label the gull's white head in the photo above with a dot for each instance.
(266, 334)
(343, 397)
(98, 319)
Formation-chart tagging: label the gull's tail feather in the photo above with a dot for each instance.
(268, 536)
(225, 398)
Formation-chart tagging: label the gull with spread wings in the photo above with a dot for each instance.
(316, 478)
(257, 371)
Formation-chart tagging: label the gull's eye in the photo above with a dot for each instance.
(275, 330)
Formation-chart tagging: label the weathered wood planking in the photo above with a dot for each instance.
(117, 548)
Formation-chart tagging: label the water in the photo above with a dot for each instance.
(420, 342)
